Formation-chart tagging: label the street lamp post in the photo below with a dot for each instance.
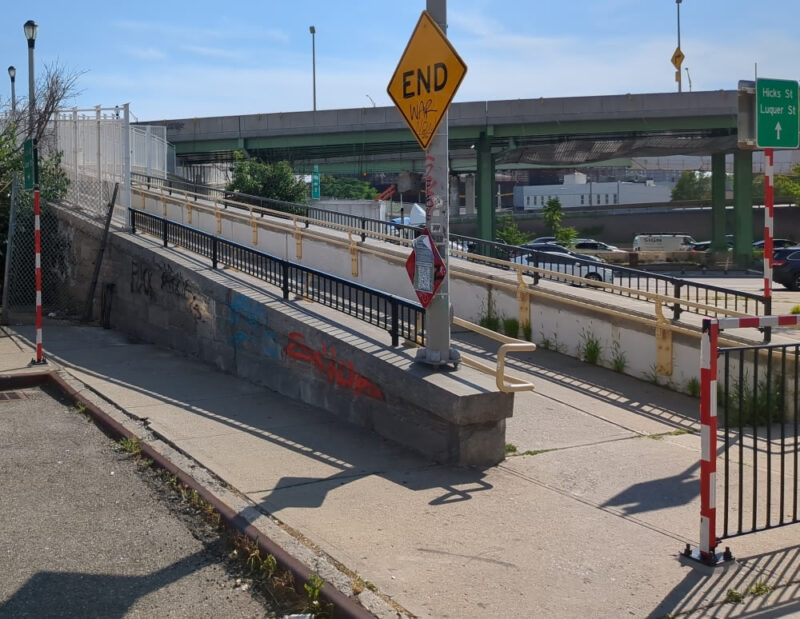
(31, 29)
(678, 4)
(313, 32)
(12, 73)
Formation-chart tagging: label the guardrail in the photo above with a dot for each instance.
(631, 282)
(267, 206)
(634, 283)
(400, 317)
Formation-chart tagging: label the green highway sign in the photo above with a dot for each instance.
(776, 114)
(29, 164)
(315, 183)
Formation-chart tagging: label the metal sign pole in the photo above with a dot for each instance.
(437, 215)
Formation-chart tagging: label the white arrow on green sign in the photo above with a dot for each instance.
(776, 114)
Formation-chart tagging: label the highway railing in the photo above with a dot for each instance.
(630, 282)
(634, 283)
(400, 317)
(267, 206)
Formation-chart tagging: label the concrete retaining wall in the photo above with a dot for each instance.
(168, 298)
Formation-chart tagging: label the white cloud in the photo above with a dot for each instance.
(144, 53)
(213, 52)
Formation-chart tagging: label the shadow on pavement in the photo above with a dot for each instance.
(656, 494)
(286, 424)
(63, 594)
(653, 401)
(761, 579)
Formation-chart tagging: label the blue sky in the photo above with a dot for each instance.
(175, 59)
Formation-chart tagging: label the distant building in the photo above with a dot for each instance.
(576, 191)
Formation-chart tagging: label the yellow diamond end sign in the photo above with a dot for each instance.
(426, 79)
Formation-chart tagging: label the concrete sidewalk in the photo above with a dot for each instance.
(588, 518)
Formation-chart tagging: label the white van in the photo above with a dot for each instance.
(657, 241)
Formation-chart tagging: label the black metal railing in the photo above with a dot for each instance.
(632, 281)
(760, 422)
(635, 281)
(400, 317)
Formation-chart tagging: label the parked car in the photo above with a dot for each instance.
(561, 260)
(657, 241)
(590, 246)
(776, 244)
(701, 246)
(553, 248)
(786, 267)
(544, 239)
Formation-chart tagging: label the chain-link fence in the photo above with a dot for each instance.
(98, 148)
(19, 291)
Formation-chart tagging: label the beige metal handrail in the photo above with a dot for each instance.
(506, 384)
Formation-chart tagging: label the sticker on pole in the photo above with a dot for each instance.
(425, 268)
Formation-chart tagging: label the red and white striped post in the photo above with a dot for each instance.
(37, 243)
(769, 214)
(708, 439)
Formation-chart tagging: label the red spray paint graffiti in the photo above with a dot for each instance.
(337, 372)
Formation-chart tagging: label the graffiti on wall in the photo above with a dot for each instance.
(142, 279)
(173, 282)
(249, 325)
(337, 372)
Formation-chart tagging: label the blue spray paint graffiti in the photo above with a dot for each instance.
(249, 322)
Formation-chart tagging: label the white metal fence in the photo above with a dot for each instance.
(100, 147)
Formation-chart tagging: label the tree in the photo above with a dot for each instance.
(692, 186)
(54, 88)
(347, 188)
(509, 233)
(553, 213)
(275, 181)
(566, 236)
(789, 184)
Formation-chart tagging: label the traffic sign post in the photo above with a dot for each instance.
(776, 114)
(422, 87)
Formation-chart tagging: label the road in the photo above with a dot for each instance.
(88, 532)
(783, 300)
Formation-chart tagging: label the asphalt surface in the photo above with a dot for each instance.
(85, 533)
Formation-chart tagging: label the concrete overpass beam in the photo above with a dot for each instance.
(469, 195)
(743, 206)
(485, 188)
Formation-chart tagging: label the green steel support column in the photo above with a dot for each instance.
(718, 242)
(484, 188)
(743, 206)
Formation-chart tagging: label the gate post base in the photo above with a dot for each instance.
(717, 559)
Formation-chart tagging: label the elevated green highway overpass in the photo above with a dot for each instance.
(489, 135)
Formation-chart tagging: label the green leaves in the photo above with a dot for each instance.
(347, 188)
(275, 181)
(692, 186)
